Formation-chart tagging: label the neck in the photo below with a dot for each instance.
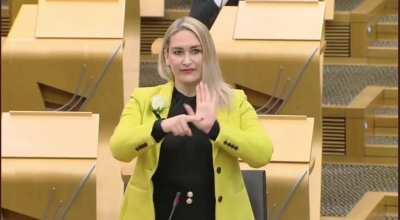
(187, 90)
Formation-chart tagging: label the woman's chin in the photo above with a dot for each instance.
(190, 80)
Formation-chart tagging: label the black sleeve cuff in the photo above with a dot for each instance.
(157, 132)
(213, 134)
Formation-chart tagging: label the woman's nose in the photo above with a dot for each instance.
(187, 59)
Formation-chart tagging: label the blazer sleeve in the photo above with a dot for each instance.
(249, 141)
(131, 137)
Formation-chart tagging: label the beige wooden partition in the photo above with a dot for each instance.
(267, 64)
(15, 5)
(45, 67)
(375, 205)
(46, 73)
(288, 173)
(45, 156)
(148, 8)
(329, 9)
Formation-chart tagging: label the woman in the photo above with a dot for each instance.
(187, 136)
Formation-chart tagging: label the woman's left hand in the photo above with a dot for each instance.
(205, 108)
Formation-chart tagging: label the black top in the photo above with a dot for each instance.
(185, 165)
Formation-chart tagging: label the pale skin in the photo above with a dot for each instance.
(184, 56)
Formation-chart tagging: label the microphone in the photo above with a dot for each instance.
(174, 204)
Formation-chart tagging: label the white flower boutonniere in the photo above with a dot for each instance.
(157, 105)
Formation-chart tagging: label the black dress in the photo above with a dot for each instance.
(185, 165)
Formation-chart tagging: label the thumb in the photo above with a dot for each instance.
(188, 109)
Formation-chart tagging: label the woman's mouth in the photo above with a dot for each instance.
(187, 71)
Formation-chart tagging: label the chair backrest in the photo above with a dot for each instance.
(256, 186)
(255, 181)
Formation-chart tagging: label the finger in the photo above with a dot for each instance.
(206, 93)
(198, 94)
(186, 128)
(214, 100)
(193, 118)
(174, 132)
(175, 127)
(180, 129)
(183, 125)
(202, 91)
(188, 109)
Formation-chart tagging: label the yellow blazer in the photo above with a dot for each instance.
(240, 136)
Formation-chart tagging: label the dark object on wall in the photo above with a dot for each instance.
(207, 11)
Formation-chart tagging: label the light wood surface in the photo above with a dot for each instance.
(49, 134)
(152, 8)
(281, 180)
(106, 19)
(109, 186)
(301, 131)
(279, 21)
(34, 187)
(131, 52)
(329, 9)
(100, 199)
(373, 205)
(15, 5)
(148, 8)
(255, 64)
(58, 64)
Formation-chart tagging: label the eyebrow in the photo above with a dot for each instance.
(195, 46)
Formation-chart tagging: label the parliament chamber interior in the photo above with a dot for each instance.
(321, 74)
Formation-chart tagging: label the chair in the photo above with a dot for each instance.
(255, 183)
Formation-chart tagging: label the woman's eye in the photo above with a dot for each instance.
(177, 52)
(196, 51)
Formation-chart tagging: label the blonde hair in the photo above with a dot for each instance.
(211, 71)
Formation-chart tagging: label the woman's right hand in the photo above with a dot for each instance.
(178, 125)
